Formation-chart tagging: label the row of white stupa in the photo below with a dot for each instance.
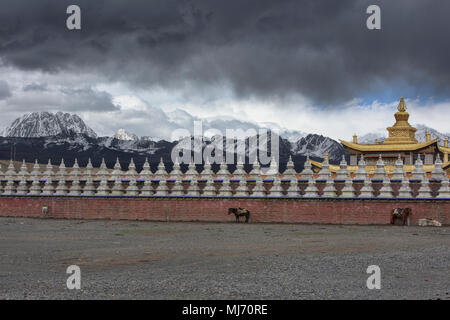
(77, 182)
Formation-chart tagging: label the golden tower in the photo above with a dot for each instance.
(401, 132)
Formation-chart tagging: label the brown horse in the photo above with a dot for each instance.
(240, 212)
(401, 214)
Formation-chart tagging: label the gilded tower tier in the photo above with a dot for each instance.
(401, 132)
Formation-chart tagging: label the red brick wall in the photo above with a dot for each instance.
(213, 209)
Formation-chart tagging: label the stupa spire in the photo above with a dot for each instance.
(402, 106)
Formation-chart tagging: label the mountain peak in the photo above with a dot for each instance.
(45, 124)
(315, 145)
(124, 135)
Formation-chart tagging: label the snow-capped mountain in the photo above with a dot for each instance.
(422, 130)
(46, 124)
(370, 138)
(154, 139)
(315, 145)
(292, 136)
(43, 135)
(142, 146)
(123, 135)
(125, 141)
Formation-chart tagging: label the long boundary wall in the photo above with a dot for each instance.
(275, 210)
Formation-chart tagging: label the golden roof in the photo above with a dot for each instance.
(388, 147)
(444, 149)
(446, 165)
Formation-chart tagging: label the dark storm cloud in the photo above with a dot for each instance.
(87, 99)
(80, 99)
(321, 49)
(5, 92)
(35, 87)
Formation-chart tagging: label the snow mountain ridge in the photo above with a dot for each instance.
(63, 134)
(47, 124)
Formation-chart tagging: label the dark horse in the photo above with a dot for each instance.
(401, 214)
(240, 212)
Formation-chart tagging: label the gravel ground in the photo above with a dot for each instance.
(148, 260)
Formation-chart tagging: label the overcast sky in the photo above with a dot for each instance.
(152, 66)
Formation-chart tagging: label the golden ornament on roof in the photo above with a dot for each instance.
(402, 106)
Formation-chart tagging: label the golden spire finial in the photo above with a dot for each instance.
(402, 105)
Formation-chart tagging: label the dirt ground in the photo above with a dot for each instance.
(148, 260)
